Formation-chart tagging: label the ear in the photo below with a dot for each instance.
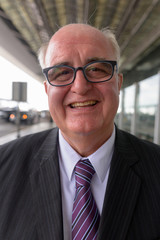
(46, 87)
(120, 81)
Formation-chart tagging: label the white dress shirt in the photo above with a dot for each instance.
(68, 158)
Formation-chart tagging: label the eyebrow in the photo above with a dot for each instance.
(95, 59)
(89, 60)
(62, 63)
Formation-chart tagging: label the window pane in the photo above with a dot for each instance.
(128, 107)
(148, 99)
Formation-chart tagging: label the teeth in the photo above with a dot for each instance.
(84, 104)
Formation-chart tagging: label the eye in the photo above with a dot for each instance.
(60, 74)
(98, 70)
(94, 69)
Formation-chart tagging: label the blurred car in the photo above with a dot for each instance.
(29, 117)
(10, 110)
(5, 113)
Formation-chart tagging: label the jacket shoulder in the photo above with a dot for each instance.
(18, 160)
(139, 146)
(24, 149)
(146, 155)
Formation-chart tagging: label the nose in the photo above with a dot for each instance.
(80, 85)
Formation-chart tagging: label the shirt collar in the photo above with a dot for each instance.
(100, 159)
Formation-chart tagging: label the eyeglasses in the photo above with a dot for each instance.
(95, 72)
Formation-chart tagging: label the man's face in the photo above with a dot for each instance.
(82, 108)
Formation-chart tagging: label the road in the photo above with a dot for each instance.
(8, 131)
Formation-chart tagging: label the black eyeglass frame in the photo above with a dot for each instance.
(112, 63)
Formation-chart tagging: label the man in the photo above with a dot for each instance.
(38, 173)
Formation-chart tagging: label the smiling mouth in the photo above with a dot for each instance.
(83, 104)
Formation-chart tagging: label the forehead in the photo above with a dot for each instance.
(73, 42)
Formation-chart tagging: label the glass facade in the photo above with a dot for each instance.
(148, 100)
(138, 107)
(128, 107)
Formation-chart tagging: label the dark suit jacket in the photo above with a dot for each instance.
(30, 192)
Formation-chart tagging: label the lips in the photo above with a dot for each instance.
(83, 104)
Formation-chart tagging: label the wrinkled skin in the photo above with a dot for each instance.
(83, 111)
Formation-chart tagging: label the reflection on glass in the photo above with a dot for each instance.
(148, 100)
(129, 93)
(128, 107)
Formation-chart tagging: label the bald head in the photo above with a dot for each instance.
(76, 33)
(76, 30)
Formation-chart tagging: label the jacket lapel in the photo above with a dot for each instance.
(120, 198)
(46, 191)
(122, 192)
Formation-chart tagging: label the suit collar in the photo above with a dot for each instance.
(46, 190)
(122, 191)
(120, 198)
(100, 159)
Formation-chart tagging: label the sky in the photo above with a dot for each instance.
(36, 95)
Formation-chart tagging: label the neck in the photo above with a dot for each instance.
(85, 145)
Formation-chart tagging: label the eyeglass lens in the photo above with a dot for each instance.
(94, 72)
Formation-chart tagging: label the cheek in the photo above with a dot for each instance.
(111, 97)
(110, 91)
(55, 94)
(56, 97)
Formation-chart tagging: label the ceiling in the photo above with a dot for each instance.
(136, 24)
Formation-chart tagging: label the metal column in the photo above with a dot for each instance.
(121, 114)
(135, 113)
(157, 118)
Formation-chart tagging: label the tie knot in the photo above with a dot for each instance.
(83, 173)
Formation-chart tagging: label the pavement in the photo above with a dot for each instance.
(28, 130)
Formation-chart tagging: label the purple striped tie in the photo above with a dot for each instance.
(85, 215)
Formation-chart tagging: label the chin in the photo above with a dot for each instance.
(83, 129)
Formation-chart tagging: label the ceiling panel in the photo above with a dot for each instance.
(135, 22)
